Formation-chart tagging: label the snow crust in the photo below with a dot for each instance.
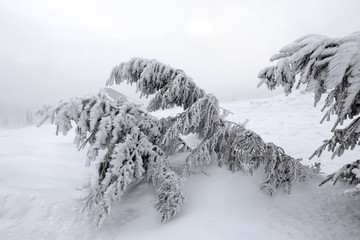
(42, 179)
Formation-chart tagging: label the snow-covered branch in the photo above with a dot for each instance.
(323, 64)
(327, 66)
(131, 140)
(172, 86)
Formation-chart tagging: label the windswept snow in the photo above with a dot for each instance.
(42, 178)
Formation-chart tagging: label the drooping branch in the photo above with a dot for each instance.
(343, 139)
(172, 86)
(349, 173)
(131, 140)
(324, 64)
(228, 143)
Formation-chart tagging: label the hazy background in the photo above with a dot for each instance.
(58, 49)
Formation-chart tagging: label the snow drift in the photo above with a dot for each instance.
(42, 178)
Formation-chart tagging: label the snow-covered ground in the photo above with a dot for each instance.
(42, 177)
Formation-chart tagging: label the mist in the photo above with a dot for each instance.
(53, 50)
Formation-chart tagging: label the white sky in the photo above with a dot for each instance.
(58, 49)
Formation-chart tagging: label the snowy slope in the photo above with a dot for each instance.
(42, 177)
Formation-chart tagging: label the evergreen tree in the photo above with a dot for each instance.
(228, 143)
(138, 146)
(327, 66)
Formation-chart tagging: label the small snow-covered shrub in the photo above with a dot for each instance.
(327, 66)
(137, 145)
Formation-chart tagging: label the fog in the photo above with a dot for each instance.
(52, 50)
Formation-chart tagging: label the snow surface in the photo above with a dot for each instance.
(42, 178)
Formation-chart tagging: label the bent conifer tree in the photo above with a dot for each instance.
(228, 143)
(138, 146)
(328, 66)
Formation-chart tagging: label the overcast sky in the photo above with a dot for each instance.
(52, 50)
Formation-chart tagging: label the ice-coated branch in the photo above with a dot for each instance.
(327, 66)
(349, 173)
(172, 86)
(131, 140)
(342, 139)
(323, 64)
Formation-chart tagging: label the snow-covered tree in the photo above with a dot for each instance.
(137, 146)
(229, 143)
(327, 66)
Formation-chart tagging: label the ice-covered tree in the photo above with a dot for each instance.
(229, 143)
(328, 66)
(136, 146)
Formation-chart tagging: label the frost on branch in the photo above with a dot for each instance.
(172, 86)
(168, 186)
(240, 149)
(131, 141)
(282, 169)
(228, 143)
(327, 66)
(350, 173)
(342, 139)
(323, 64)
